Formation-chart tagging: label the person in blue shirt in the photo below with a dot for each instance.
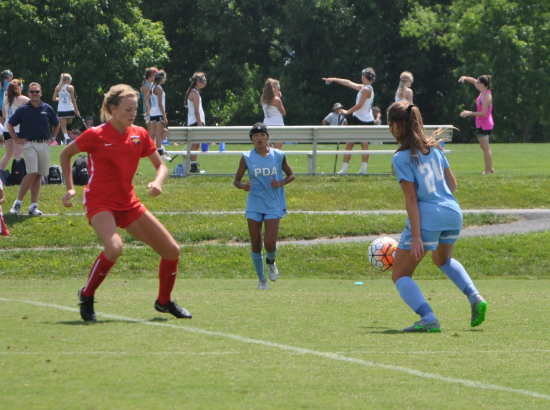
(34, 119)
(265, 203)
(434, 216)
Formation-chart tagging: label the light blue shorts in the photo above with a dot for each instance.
(431, 239)
(258, 217)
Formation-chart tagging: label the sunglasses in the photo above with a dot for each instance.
(35, 91)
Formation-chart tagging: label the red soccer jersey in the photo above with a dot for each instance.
(112, 163)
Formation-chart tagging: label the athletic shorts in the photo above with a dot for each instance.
(482, 133)
(7, 135)
(431, 239)
(357, 121)
(122, 218)
(65, 114)
(258, 217)
(156, 118)
(37, 157)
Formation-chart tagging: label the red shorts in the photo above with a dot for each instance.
(122, 218)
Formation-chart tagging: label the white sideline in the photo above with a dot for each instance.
(300, 350)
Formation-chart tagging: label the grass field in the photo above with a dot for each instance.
(315, 340)
(304, 344)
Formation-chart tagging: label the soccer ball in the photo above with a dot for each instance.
(381, 253)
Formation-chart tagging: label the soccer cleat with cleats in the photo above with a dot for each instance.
(86, 307)
(174, 309)
(262, 285)
(479, 308)
(195, 169)
(33, 210)
(423, 326)
(272, 270)
(15, 209)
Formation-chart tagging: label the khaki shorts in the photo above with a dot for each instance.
(37, 157)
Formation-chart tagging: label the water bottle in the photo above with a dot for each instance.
(222, 146)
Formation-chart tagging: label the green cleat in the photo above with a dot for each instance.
(423, 326)
(479, 308)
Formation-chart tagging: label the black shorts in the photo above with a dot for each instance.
(65, 114)
(156, 118)
(195, 124)
(7, 135)
(357, 121)
(482, 133)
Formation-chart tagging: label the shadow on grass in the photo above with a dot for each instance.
(381, 330)
(89, 323)
(99, 321)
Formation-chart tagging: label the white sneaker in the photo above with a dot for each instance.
(362, 173)
(35, 211)
(272, 271)
(15, 209)
(341, 172)
(166, 157)
(262, 285)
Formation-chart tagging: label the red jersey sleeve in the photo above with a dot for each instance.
(146, 142)
(87, 141)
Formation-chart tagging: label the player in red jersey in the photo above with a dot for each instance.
(114, 151)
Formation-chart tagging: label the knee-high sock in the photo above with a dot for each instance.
(168, 270)
(412, 295)
(99, 272)
(258, 261)
(456, 272)
(271, 255)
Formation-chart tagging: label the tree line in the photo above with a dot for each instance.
(240, 43)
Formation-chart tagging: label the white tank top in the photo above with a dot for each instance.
(272, 115)
(65, 102)
(397, 98)
(365, 112)
(10, 110)
(155, 109)
(191, 118)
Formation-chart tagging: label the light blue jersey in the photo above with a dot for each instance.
(439, 209)
(262, 198)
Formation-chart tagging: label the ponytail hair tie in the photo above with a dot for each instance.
(409, 108)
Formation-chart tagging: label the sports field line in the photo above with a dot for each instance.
(100, 353)
(301, 350)
(534, 211)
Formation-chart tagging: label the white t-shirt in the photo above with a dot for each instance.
(272, 115)
(65, 101)
(335, 119)
(191, 117)
(365, 112)
(155, 108)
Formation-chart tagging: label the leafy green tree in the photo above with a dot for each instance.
(508, 40)
(240, 43)
(99, 42)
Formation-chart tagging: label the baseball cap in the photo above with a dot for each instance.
(337, 106)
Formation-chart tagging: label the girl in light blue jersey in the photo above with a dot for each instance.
(435, 218)
(265, 203)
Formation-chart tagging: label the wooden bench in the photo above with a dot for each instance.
(308, 134)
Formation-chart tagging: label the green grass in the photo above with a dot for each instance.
(243, 347)
(305, 343)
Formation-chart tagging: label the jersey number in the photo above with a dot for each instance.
(429, 170)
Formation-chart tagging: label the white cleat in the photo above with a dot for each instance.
(272, 271)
